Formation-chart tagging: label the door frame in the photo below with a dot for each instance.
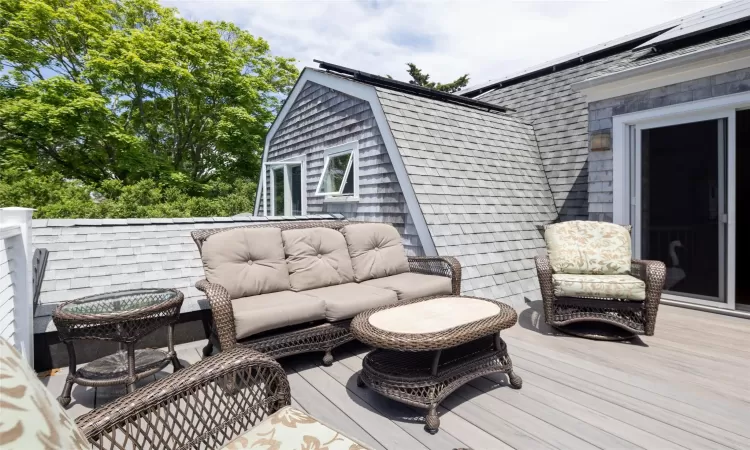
(285, 164)
(626, 188)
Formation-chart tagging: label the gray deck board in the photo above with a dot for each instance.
(685, 388)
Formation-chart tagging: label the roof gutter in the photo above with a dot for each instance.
(712, 61)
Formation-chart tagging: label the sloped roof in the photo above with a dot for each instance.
(480, 185)
(688, 26)
(703, 21)
(93, 256)
(645, 56)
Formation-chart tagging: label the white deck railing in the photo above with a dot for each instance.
(16, 294)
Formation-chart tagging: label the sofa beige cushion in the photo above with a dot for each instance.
(587, 247)
(412, 285)
(291, 429)
(625, 287)
(345, 301)
(316, 257)
(30, 417)
(246, 261)
(275, 310)
(375, 250)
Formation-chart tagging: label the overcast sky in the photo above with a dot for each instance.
(487, 39)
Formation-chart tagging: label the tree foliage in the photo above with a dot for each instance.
(97, 93)
(422, 79)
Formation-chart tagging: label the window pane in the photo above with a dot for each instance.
(334, 174)
(296, 183)
(349, 185)
(278, 191)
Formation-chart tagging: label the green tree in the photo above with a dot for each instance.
(422, 79)
(127, 90)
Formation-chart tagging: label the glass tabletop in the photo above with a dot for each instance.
(119, 302)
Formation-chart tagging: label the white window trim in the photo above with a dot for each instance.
(723, 107)
(285, 164)
(349, 147)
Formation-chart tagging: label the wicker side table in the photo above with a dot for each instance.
(124, 317)
(427, 348)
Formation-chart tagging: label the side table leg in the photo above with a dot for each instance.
(131, 366)
(64, 398)
(170, 347)
(431, 420)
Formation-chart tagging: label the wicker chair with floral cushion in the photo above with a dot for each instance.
(235, 400)
(589, 276)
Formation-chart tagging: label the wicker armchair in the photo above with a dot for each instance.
(202, 406)
(631, 314)
(323, 336)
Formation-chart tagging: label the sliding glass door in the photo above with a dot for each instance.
(680, 189)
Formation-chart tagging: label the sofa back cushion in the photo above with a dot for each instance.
(375, 249)
(246, 261)
(585, 247)
(30, 415)
(316, 257)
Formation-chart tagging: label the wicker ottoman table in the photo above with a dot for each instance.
(429, 347)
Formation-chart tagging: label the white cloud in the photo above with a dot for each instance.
(487, 39)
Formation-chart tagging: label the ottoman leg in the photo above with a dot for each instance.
(432, 421)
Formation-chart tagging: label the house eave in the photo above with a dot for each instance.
(713, 61)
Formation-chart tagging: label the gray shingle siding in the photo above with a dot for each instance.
(480, 185)
(322, 118)
(600, 122)
(559, 116)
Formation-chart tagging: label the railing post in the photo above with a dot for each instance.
(21, 254)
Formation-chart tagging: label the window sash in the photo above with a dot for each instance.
(327, 164)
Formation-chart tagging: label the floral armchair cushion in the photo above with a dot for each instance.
(290, 429)
(30, 417)
(624, 287)
(585, 247)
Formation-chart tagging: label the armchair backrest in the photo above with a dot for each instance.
(587, 247)
(30, 416)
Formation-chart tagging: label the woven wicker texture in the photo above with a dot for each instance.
(422, 369)
(320, 337)
(201, 407)
(124, 317)
(364, 331)
(636, 317)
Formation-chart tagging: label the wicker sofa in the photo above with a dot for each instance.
(237, 399)
(588, 276)
(292, 287)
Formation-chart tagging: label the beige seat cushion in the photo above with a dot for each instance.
(30, 417)
(624, 287)
(246, 261)
(316, 257)
(587, 247)
(347, 300)
(291, 429)
(376, 250)
(265, 312)
(411, 285)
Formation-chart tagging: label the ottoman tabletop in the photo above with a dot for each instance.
(432, 323)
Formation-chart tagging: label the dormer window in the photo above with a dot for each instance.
(340, 177)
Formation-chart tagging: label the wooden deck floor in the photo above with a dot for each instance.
(686, 387)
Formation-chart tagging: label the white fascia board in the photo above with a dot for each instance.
(690, 66)
(369, 94)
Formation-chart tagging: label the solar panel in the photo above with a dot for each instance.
(377, 80)
(709, 19)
